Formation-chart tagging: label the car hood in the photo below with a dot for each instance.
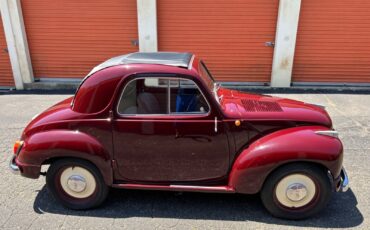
(53, 116)
(246, 106)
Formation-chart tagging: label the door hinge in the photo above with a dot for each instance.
(114, 164)
(135, 42)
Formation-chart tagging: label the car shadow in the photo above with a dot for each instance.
(341, 212)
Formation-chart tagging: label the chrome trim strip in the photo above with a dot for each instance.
(13, 166)
(317, 105)
(344, 181)
(215, 188)
(168, 97)
(190, 188)
(330, 133)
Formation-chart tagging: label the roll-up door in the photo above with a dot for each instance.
(229, 36)
(333, 42)
(67, 38)
(6, 76)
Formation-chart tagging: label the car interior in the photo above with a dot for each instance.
(150, 96)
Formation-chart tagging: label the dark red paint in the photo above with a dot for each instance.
(179, 152)
(282, 147)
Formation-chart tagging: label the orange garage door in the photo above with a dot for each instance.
(67, 38)
(229, 35)
(333, 42)
(6, 76)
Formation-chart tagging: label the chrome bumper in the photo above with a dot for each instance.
(13, 166)
(343, 184)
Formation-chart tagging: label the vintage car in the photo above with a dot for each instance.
(159, 121)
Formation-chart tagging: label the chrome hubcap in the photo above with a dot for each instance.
(76, 183)
(296, 192)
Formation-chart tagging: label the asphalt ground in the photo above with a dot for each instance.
(27, 204)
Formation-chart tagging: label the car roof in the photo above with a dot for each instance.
(162, 58)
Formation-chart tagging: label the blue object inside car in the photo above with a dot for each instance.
(185, 102)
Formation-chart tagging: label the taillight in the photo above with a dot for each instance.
(17, 145)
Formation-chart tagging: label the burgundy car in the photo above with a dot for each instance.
(159, 121)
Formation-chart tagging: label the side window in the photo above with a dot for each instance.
(162, 96)
(187, 98)
(144, 96)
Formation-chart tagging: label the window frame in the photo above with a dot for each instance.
(168, 114)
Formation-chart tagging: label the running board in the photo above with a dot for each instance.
(183, 188)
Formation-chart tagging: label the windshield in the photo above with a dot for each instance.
(211, 83)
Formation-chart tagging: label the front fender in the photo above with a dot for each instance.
(302, 144)
(44, 146)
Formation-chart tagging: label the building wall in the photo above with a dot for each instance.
(6, 76)
(229, 35)
(235, 38)
(68, 38)
(333, 42)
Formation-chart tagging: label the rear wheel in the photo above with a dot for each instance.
(77, 184)
(296, 191)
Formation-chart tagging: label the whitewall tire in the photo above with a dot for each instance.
(296, 191)
(77, 184)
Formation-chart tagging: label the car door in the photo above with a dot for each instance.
(165, 130)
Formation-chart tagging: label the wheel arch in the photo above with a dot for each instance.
(49, 146)
(289, 146)
(107, 177)
(317, 165)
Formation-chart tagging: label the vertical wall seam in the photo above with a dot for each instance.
(285, 41)
(11, 44)
(147, 25)
(16, 40)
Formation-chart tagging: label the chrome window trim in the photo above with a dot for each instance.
(168, 97)
(169, 114)
(190, 65)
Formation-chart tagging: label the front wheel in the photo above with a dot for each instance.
(296, 191)
(76, 184)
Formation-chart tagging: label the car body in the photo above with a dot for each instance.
(159, 121)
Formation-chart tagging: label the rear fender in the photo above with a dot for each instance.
(45, 146)
(298, 144)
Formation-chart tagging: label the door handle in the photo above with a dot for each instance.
(215, 124)
(135, 42)
(270, 44)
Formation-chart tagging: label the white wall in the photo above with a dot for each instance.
(147, 25)
(285, 41)
(16, 39)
